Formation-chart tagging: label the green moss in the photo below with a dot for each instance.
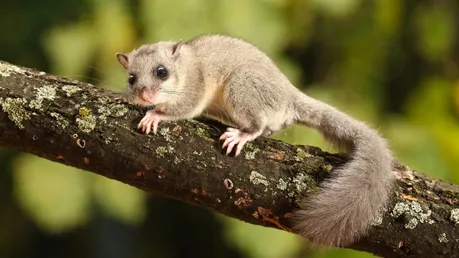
(103, 100)
(61, 121)
(165, 132)
(327, 167)
(257, 178)
(282, 185)
(162, 150)
(378, 221)
(442, 238)
(70, 90)
(399, 209)
(44, 93)
(249, 146)
(411, 223)
(84, 112)
(301, 154)
(118, 110)
(450, 194)
(202, 132)
(454, 216)
(86, 122)
(113, 110)
(250, 151)
(412, 213)
(302, 182)
(8, 69)
(108, 140)
(15, 110)
(176, 160)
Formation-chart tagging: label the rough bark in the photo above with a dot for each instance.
(83, 126)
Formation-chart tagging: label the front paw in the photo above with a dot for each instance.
(149, 121)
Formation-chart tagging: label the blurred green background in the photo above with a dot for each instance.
(392, 63)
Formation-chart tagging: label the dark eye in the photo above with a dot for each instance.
(161, 72)
(132, 79)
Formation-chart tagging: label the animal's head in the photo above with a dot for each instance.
(153, 72)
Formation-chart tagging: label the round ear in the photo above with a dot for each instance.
(123, 60)
(176, 49)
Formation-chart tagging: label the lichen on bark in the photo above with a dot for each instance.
(184, 161)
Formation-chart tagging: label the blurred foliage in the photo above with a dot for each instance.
(391, 63)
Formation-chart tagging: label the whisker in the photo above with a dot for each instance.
(172, 92)
(94, 68)
(177, 92)
(94, 80)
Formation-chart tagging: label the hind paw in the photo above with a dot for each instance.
(236, 138)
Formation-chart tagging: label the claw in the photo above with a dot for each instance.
(239, 147)
(231, 144)
(228, 140)
(155, 126)
(225, 143)
(148, 128)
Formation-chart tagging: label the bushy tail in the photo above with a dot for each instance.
(354, 196)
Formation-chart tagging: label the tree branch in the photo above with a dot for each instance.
(77, 124)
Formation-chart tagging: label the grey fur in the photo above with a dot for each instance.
(233, 81)
(358, 191)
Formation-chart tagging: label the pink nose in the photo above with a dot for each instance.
(147, 94)
(142, 94)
